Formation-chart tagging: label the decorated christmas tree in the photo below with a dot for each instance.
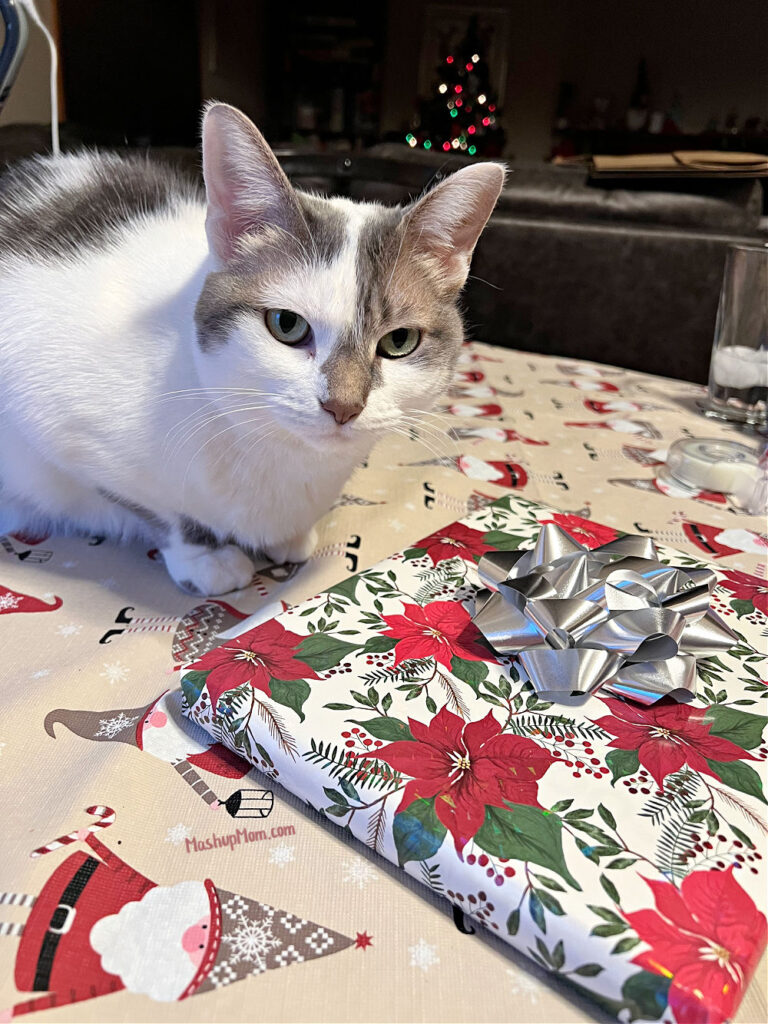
(462, 114)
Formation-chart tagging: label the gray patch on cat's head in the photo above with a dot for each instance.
(315, 236)
(54, 207)
(394, 287)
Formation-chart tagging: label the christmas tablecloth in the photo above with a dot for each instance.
(93, 636)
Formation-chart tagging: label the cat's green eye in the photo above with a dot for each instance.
(399, 343)
(286, 326)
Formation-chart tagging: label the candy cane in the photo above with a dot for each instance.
(106, 817)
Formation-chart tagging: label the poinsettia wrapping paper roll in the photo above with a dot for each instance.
(621, 847)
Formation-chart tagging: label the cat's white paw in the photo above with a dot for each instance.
(209, 571)
(296, 550)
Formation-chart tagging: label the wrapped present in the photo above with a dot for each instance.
(618, 845)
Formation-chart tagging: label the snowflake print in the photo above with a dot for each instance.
(71, 629)
(110, 727)
(9, 601)
(115, 672)
(423, 955)
(252, 942)
(178, 833)
(524, 985)
(69, 565)
(395, 524)
(282, 854)
(358, 872)
(41, 673)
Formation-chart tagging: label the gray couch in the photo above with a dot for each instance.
(618, 273)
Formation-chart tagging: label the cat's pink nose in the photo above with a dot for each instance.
(342, 412)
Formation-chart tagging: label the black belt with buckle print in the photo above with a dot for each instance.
(60, 923)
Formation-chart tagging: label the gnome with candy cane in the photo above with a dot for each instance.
(99, 926)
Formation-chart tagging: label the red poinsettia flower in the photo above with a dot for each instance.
(439, 630)
(667, 737)
(707, 938)
(454, 540)
(257, 657)
(467, 766)
(747, 588)
(590, 534)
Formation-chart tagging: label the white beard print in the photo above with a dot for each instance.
(142, 943)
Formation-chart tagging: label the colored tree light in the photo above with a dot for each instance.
(427, 144)
(457, 88)
(472, 150)
(470, 67)
(449, 60)
(442, 88)
(446, 146)
(471, 129)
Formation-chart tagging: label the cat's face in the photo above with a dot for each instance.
(340, 317)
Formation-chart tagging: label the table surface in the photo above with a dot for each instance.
(107, 633)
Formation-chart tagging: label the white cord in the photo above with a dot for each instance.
(34, 15)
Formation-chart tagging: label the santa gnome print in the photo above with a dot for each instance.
(160, 729)
(99, 926)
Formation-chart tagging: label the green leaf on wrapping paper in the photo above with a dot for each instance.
(610, 889)
(604, 930)
(291, 693)
(588, 970)
(624, 945)
(339, 707)
(739, 775)
(385, 728)
(410, 553)
(621, 763)
(742, 836)
(740, 727)
(549, 901)
(606, 914)
(537, 911)
(337, 810)
(265, 754)
(472, 672)
(378, 645)
(606, 815)
(335, 796)
(503, 541)
(558, 955)
(513, 922)
(322, 651)
(645, 995)
(346, 588)
(192, 684)
(742, 607)
(417, 831)
(519, 832)
(348, 789)
(550, 883)
(561, 805)
(622, 862)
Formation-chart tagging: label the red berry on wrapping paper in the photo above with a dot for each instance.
(490, 873)
(471, 858)
(509, 872)
(483, 860)
(349, 743)
(345, 735)
(499, 880)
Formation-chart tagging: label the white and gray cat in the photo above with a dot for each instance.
(207, 370)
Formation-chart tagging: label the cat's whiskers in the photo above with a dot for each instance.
(436, 434)
(186, 438)
(420, 440)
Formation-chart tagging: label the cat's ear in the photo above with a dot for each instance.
(445, 224)
(245, 185)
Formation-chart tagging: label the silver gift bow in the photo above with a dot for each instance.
(614, 617)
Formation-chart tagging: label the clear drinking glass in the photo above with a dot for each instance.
(738, 373)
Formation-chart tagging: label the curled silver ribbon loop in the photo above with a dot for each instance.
(613, 617)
